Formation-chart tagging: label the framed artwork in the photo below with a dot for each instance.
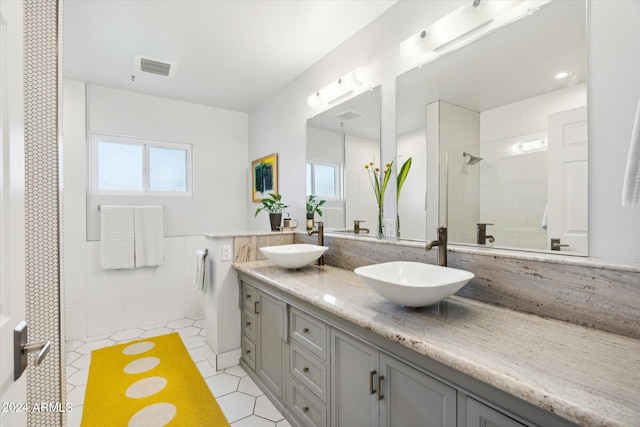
(264, 177)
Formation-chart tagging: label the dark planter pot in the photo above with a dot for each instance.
(276, 221)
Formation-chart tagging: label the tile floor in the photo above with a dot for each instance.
(241, 400)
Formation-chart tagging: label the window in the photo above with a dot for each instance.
(324, 180)
(133, 165)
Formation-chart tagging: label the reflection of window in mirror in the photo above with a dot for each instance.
(324, 181)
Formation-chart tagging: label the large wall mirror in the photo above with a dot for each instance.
(501, 123)
(340, 141)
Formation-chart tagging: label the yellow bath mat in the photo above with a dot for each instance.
(150, 382)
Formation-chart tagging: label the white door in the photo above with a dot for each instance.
(12, 300)
(568, 177)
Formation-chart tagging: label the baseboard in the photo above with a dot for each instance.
(223, 360)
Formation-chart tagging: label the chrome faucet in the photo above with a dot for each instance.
(320, 232)
(482, 234)
(442, 246)
(356, 227)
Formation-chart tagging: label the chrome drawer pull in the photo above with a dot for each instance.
(305, 370)
(305, 409)
(255, 307)
(248, 323)
(305, 330)
(248, 351)
(371, 374)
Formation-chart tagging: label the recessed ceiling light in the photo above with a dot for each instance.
(562, 75)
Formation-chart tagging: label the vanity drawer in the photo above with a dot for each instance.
(249, 352)
(249, 296)
(309, 332)
(248, 319)
(306, 407)
(309, 370)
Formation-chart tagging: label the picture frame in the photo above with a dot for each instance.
(264, 177)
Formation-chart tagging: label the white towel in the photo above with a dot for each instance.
(201, 265)
(149, 236)
(116, 237)
(631, 185)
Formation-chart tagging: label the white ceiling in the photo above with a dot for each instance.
(230, 54)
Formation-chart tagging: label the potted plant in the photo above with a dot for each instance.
(273, 204)
(313, 206)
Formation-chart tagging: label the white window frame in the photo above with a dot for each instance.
(96, 138)
(338, 167)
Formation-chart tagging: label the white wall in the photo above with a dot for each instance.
(361, 201)
(278, 124)
(99, 301)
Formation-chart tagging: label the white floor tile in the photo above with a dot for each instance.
(82, 362)
(265, 409)
(187, 332)
(254, 421)
(94, 345)
(75, 416)
(79, 378)
(249, 387)
(193, 342)
(201, 323)
(127, 335)
(197, 354)
(73, 345)
(206, 369)
(283, 423)
(71, 357)
(155, 332)
(222, 384)
(237, 370)
(96, 337)
(178, 324)
(76, 396)
(71, 370)
(236, 406)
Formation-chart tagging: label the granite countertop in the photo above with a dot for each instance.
(585, 375)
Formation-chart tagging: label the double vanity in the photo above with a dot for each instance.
(329, 351)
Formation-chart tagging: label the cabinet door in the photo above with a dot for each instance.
(480, 415)
(410, 397)
(353, 370)
(269, 360)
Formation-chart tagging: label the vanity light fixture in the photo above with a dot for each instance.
(344, 85)
(459, 23)
(531, 146)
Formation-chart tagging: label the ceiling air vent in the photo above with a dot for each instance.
(349, 115)
(160, 67)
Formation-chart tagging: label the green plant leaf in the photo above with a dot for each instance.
(402, 175)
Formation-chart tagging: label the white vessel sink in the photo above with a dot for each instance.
(413, 284)
(293, 256)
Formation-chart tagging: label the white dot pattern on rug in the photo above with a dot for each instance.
(146, 387)
(138, 348)
(141, 365)
(156, 415)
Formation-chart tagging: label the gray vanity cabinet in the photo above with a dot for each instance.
(480, 415)
(371, 388)
(262, 337)
(409, 396)
(354, 366)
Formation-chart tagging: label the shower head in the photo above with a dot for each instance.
(472, 159)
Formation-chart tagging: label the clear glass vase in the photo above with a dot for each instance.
(380, 231)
